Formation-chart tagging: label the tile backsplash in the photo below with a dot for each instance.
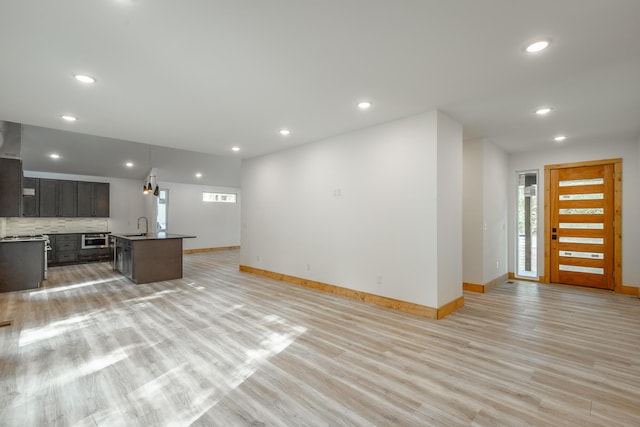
(25, 226)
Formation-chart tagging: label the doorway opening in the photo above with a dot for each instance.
(527, 238)
(163, 208)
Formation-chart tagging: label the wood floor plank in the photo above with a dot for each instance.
(224, 348)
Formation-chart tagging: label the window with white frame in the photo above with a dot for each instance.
(218, 197)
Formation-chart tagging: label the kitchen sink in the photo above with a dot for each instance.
(135, 235)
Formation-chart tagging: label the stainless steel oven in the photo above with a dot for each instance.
(95, 241)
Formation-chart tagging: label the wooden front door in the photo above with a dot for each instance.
(582, 225)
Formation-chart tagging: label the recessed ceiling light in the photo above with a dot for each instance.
(69, 118)
(54, 155)
(538, 46)
(129, 164)
(235, 148)
(198, 175)
(285, 132)
(84, 78)
(543, 111)
(364, 105)
(559, 138)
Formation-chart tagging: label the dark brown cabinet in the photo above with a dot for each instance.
(66, 248)
(51, 253)
(149, 260)
(48, 197)
(58, 198)
(93, 199)
(21, 265)
(91, 255)
(30, 197)
(124, 257)
(10, 187)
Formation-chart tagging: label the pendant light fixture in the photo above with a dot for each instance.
(147, 186)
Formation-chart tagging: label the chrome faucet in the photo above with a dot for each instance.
(146, 222)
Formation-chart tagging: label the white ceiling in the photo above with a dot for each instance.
(205, 75)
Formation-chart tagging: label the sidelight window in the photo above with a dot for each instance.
(527, 241)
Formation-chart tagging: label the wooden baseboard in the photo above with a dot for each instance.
(628, 290)
(472, 287)
(493, 283)
(475, 287)
(405, 306)
(222, 248)
(450, 307)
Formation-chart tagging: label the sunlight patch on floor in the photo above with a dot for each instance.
(151, 297)
(32, 335)
(47, 291)
(91, 367)
(203, 386)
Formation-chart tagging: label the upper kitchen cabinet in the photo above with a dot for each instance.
(30, 197)
(58, 198)
(10, 187)
(93, 199)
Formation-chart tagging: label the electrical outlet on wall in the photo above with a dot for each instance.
(379, 280)
(497, 265)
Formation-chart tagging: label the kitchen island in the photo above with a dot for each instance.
(145, 258)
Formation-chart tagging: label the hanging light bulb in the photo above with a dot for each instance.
(156, 192)
(145, 186)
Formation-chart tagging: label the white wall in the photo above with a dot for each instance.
(486, 172)
(359, 210)
(449, 205)
(629, 152)
(214, 224)
(495, 212)
(472, 218)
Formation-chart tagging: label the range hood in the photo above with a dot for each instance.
(10, 139)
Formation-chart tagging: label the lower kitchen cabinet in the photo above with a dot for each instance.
(21, 265)
(92, 255)
(66, 248)
(124, 257)
(51, 253)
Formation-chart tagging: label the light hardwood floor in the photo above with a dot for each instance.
(224, 348)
